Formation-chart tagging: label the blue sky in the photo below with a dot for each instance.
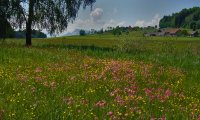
(127, 12)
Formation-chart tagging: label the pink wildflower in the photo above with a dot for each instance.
(101, 103)
(110, 113)
(38, 70)
(167, 93)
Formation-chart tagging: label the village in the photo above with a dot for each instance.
(173, 32)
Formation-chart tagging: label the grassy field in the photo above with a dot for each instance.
(100, 77)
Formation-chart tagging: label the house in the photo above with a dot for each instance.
(193, 34)
(151, 34)
(165, 32)
(171, 31)
(160, 33)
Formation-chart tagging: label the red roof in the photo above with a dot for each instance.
(171, 30)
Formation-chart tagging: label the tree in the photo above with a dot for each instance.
(82, 33)
(156, 26)
(101, 31)
(6, 30)
(187, 18)
(5, 27)
(193, 26)
(183, 33)
(117, 31)
(52, 15)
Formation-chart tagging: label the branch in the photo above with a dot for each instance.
(23, 13)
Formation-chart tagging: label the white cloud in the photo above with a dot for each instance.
(153, 22)
(97, 14)
(93, 22)
(113, 23)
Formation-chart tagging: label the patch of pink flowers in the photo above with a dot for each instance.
(101, 103)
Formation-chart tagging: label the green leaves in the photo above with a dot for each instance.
(187, 18)
(52, 15)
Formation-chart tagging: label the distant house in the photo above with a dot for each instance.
(160, 33)
(193, 34)
(151, 34)
(171, 31)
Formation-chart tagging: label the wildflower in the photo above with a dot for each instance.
(72, 78)
(110, 113)
(126, 114)
(116, 91)
(86, 65)
(153, 118)
(79, 111)
(198, 118)
(112, 94)
(162, 118)
(38, 70)
(1, 114)
(119, 100)
(147, 91)
(38, 79)
(68, 100)
(101, 103)
(84, 102)
(167, 93)
(53, 84)
(33, 89)
(46, 84)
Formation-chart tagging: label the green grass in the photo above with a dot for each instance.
(100, 77)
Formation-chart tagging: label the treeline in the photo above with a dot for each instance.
(121, 30)
(6, 31)
(35, 34)
(187, 18)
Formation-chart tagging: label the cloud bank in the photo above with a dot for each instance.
(153, 22)
(94, 21)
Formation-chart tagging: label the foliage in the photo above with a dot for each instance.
(52, 15)
(101, 31)
(183, 33)
(187, 18)
(82, 33)
(35, 34)
(6, 30)
(117, 31)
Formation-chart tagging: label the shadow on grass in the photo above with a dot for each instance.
(77, 47)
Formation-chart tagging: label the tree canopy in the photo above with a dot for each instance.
(5, 27)
(187, 18)
(51, 15)
(6, 30)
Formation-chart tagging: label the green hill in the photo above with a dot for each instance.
(187, 18)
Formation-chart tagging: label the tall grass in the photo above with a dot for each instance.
(100, 77)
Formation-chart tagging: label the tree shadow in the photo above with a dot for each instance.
(77, 47)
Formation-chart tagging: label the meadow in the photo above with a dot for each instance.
(100, 77)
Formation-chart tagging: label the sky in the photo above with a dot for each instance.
(112, 13)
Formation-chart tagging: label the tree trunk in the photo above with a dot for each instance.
(29, 24)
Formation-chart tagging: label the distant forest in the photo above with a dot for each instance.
(6, 31)
(35, 34)
(187, 18)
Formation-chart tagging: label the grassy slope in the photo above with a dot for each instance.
(52, 80)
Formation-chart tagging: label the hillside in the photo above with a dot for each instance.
(187, 18)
